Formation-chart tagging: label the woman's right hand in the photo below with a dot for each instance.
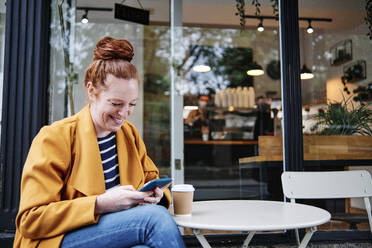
(119, 198)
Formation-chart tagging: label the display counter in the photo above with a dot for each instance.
(318, 150)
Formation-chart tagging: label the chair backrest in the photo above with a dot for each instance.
(326, 184)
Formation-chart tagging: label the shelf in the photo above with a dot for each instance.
(220, 142)
(232, 109)
(342, 52)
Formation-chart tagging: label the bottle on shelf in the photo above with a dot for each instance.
(239, 92)
(245, 97)
(224, 98)
(251, 97)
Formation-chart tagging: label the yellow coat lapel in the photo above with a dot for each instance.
(87, 173)
(130, 167)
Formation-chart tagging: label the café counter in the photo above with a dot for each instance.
(318, 151)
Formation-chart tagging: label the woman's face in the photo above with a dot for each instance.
(111, 105)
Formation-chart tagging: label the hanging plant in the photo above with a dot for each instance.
(240, 4)
(368, 17)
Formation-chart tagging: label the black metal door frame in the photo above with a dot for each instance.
(25, 95)
(291, 86)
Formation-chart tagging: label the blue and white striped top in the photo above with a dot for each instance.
(109, 157)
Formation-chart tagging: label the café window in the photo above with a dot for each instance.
(336, 102)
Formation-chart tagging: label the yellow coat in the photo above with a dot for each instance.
(63, 175)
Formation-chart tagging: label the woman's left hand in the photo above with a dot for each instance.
(156, 196)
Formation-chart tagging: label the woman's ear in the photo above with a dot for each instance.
(91, 90)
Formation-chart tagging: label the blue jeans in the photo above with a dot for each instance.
(142, 226)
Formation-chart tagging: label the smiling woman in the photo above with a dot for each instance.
(82, 174)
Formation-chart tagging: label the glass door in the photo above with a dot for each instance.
(227, 107)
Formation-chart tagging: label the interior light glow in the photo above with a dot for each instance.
(306, 73)
(305, 76)
(201, 68)
(190, 107)
(255, 72)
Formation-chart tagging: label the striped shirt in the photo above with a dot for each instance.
(109, 157)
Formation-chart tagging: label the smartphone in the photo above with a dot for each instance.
(150, 186)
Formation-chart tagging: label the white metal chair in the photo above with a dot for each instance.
(327, 185)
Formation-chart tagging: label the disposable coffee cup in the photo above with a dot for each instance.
(183, 195)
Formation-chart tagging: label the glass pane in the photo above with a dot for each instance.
(157, 96)
(230, 107)
(151, 44)
(223, 121)
(336, 101)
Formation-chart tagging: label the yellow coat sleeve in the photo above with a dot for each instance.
(42, 212)
(149, 168)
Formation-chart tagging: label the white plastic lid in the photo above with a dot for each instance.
(183, 188)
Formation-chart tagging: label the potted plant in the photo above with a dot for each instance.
(344, 118)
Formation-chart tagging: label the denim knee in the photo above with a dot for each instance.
(159, 216)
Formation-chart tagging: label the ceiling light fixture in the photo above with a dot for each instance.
(309, 29)
(260, 26)
(308, 19)
(306, 73)
(201, 68)
(84, 17)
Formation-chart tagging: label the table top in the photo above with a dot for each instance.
(252, 215)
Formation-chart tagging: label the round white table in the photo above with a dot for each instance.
(252, 216)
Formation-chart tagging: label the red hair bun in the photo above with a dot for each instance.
(108, 48)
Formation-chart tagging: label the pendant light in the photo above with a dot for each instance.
(306, 73)
(260, 26)
(255, 69)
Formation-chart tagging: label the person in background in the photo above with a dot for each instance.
(81, 178)
(197, 120)
(264, 124)
(198, 116)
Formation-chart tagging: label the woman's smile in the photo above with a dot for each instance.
(117, 121)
